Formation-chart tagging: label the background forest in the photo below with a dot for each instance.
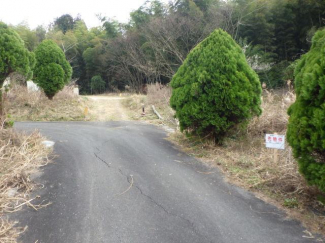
(157, 39)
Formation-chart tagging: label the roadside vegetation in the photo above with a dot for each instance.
(215, 90)
(17, 57)
(20, 156)
(21, 105)
(52, 71)
(306, 131)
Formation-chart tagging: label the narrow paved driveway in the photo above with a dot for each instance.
(123, 182)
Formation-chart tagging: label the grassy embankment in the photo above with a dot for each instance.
(243, 158)
(35, 106)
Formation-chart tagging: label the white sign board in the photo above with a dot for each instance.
(275, 141)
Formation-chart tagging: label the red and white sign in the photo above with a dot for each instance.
(275, 141)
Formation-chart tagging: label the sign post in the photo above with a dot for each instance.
(276, 142)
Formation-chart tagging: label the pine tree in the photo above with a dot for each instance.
(306, 128)
(215, 89)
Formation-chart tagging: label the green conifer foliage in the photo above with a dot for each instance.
(306, 128)
(14, 57)
(215, 89)
(97, 85)
(52, 70)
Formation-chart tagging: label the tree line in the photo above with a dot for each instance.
(155, 42)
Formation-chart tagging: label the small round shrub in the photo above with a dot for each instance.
(306, 128)
(215, 89)
(52, 71)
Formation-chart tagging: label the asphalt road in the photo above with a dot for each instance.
(124, 182)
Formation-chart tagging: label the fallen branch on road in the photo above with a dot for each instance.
(131, 184)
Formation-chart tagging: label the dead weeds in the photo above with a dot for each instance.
(157, 95)
(22, 105)
(134, 105)
(20, 156)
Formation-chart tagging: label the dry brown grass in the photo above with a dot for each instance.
(157, 95)
(20, 156)
(134, 103)
(274, 117)
(35, 106)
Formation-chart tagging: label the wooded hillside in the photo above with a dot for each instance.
(158, 37)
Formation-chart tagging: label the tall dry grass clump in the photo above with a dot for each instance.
(159, 96)
(261, 168)
(279, 173)
(22, 105)
(274, 117)
(20, 156)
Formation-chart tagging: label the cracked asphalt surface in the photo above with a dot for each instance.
(124, 182)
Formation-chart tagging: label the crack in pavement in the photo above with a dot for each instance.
(102, 160)
(107, 164)
(189, 222)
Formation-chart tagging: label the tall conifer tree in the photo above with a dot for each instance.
(306, 128)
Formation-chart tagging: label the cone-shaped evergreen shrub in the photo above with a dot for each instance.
(306, 128)
(52, 70)
(215, 89)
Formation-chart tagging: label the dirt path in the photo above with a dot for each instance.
(107, 108)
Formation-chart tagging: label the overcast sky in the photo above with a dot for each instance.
(42, 12)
